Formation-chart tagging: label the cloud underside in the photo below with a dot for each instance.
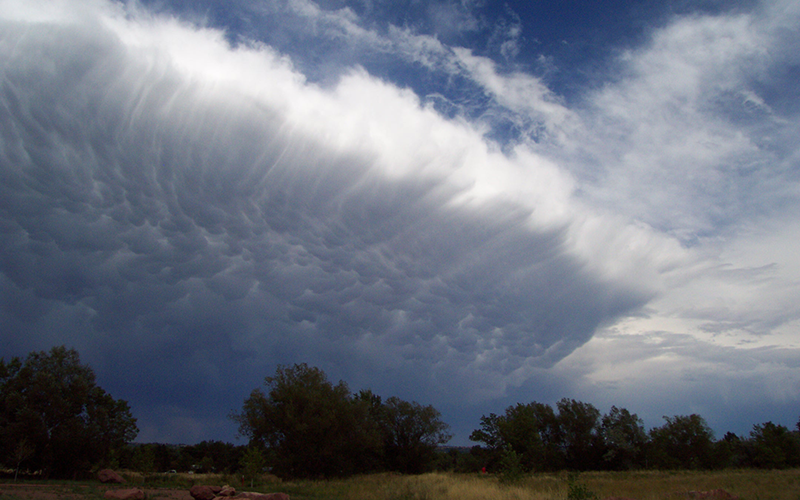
(148, 208)
(190, 213)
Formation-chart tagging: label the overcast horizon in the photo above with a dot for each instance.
(465, 203)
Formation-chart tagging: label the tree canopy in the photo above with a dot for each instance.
(574, 436)
(410, 433)
(683, 442)
(624, 439)
(53, 416)
(309, 427)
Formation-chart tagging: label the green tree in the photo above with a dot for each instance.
(144, 458)
(577, 490)
(774, 447)
(214, 456)
(624, 439)
(411, 433)
(511, 470)
(51, 401)
(374, 458)
(530, 430)
(166, 457)
(683, 442)
(730, 451)
(488, 434)
(578, 424)
(312, 427)
(252, 464)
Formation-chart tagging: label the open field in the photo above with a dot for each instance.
(642, 485)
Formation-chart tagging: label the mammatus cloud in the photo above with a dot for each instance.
(166, 196)
(189, 213)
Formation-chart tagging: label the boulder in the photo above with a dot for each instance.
(109, 476)
(129, 494)
(204, 492)
(227, 491)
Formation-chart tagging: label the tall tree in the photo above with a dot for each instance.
(530, 430)
(311, 427)
(51, 403)
(411, 432)
(683, 442)
(774, 447)
(252, 464)
(624, 439)
(578, 424)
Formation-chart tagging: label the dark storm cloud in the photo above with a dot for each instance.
(186, 236)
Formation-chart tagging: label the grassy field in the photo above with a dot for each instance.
(643, 485)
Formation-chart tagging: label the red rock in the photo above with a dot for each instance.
(109, 476)
(204, 492)
(129, 494)
(226, 491)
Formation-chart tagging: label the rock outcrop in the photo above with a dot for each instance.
(227, 491)
(206, 492)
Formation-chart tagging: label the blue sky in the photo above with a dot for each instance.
(468, 204)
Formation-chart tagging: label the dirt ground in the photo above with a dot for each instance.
(12, 491)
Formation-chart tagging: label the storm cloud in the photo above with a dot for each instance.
(188, 213)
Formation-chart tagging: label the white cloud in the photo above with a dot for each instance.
(170, 194)
(450, 17)
(521, 93)
(663, 134)
(342, 23)
(164, 188)
(656, 373)
(685, 140)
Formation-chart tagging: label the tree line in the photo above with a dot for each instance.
(56, 420)
(201, 458)
(308, 427)
(574, 436)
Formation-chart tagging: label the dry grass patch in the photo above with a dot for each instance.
(662, 485)
(641, 485)
(644, 485)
